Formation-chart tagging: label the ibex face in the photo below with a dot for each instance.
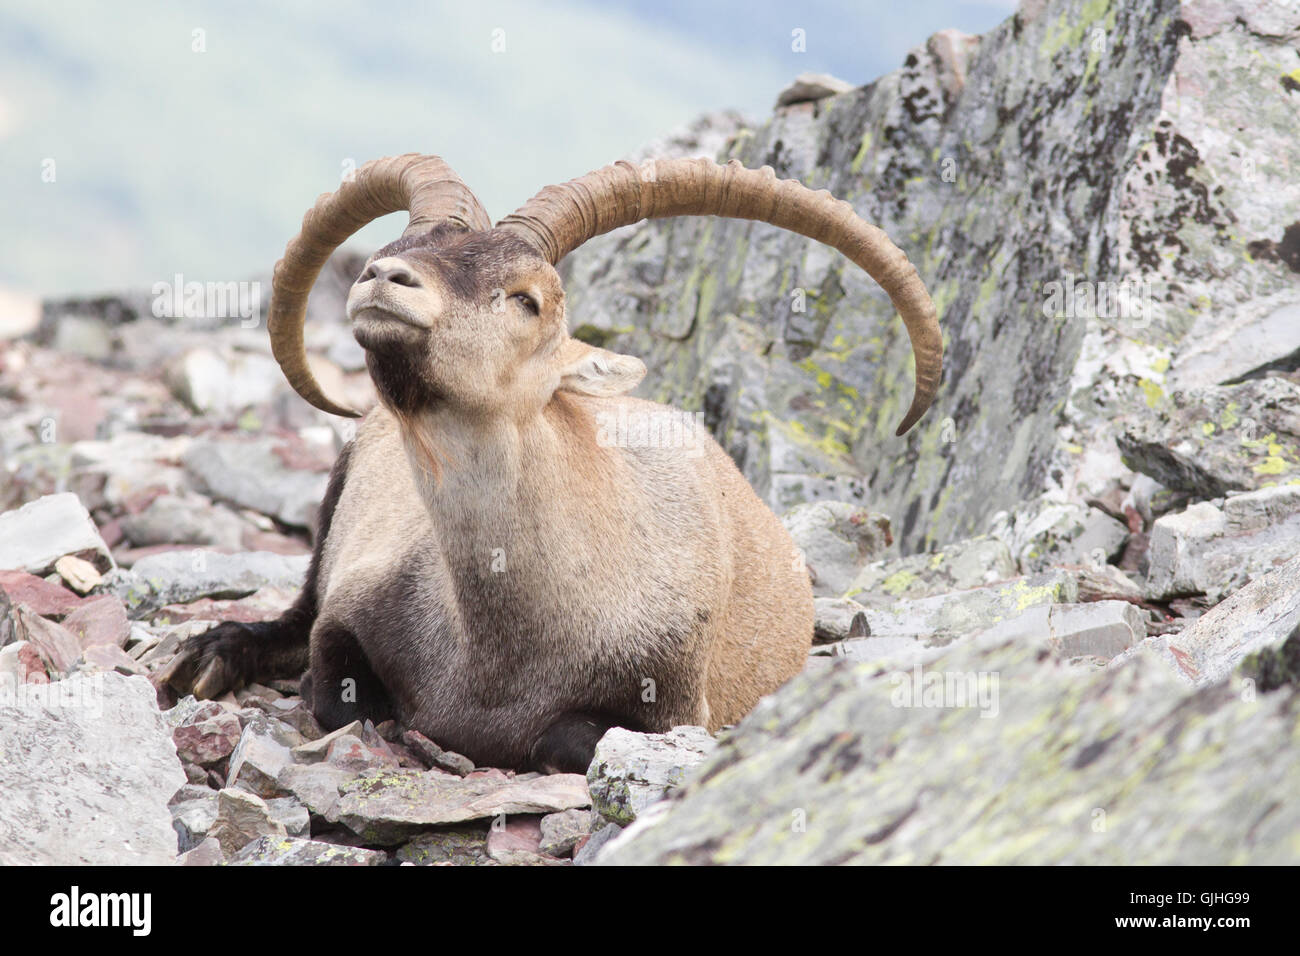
(473, 323)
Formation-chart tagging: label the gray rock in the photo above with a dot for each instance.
(185, 519)
(1069, 766)
(36, 535)
(1215, 550)
(314, 751)
(258, 760)
(109, 657)
(179, 577)
(290, 851)
(435, 757)
(589, 851)
(117, 469)
(562, 831)
(457, 846)
(388, 807)
(837, 538)
(1264, 334)
(242, 818)
(207, 853)
(1047, 532)
(971, 563)
(222, 383)
(810, 87)
(249, 473)
(87, 769)
(1217, 439)
(946, 617)
(288, 812)
(838, 619)
(350, 753)
(316, 786)
(193, 819)
(1251, 625)
(1100, 629)
(704, 136)
(632, 770)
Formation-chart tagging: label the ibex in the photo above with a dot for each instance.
(487, 569)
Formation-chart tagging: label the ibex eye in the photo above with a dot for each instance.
(528, 301)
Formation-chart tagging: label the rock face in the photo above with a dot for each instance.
(1070, 186)
(997, 753)
(87, 770)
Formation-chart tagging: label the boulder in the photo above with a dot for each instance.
(631, 770)
(994, 753)
(87, 771)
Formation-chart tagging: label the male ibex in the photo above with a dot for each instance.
(486, 569)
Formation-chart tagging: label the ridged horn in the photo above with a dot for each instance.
(561, 218)
(423, 185)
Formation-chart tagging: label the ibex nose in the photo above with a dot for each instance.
(390, 269)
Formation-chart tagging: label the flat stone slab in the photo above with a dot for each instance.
(387, 807)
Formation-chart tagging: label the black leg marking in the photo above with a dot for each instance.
(569, 744)
(343, 687)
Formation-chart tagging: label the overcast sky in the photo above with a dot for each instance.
(190, 137)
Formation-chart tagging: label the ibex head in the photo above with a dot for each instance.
(473, 321)
(462, 314)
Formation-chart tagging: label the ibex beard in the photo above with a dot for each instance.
(487, 570)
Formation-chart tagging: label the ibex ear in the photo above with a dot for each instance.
(589, 370)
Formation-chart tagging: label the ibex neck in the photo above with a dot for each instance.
(503, 492)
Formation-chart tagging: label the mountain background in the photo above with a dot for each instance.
(168, 159)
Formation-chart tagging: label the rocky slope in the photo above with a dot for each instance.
(1059, 622)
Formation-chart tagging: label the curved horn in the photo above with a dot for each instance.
(560, 218)
(424, 185)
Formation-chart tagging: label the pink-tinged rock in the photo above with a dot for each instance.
(140, 499)
(264, 605)
(111, 532)
(21, 664)
(101, 620)
(110, 657)
(517, 842)
(299, 455)
(489, 773)
(349, 753)
(207, 853)
(256, 540)
(42, 597)
(207, 736)
(56, 645)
